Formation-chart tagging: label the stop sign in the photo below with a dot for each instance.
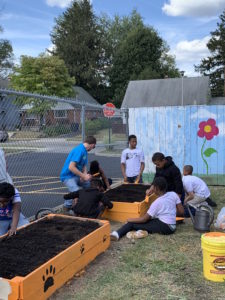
(108, 112)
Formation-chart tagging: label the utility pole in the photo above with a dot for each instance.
(182, 87)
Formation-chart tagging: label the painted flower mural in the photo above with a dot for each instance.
(207, 130)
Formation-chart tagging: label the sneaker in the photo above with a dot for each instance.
(211, 202)
(130, 234)
(114, 236)
(140, 234)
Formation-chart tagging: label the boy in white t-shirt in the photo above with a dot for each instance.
(195, 188)
(161, 216)
(132, 162)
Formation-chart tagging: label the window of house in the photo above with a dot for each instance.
(60, 114)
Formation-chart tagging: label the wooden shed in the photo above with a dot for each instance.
(192, 133)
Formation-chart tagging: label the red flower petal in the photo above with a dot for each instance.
(201, 133)
(211, 122)
(202, 125)
(209, 135)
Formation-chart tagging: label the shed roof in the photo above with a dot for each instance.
(57, 106)
(167, 92)
(83, 95)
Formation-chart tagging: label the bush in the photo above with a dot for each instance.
(92, 126)
(56, 130)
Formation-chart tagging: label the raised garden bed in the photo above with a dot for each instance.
(129, 201)
(43, 255)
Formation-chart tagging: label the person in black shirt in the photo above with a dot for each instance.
(97, 172)
(90, 202)
(166, 168)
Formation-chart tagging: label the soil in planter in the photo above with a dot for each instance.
(36, 244)
(128, 193)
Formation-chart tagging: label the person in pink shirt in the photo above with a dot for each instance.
(161, 216)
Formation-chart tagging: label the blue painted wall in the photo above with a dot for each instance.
(173, 130)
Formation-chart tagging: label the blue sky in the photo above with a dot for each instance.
(184, 24)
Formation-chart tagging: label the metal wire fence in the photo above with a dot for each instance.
(37, 144)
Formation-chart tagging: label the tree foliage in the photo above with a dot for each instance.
(76, 38)
(214, 65)
(104, 53)
(6, 56)
(141, 55)
(46, 75)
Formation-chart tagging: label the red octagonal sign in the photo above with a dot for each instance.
(108, 112)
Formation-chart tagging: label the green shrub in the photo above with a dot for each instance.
(92, 126)
(56, 130)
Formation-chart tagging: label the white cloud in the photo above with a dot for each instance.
(60, 3)
(203, 113)
(221, 127)
(194, 8)
(18, 34)
(190, 53)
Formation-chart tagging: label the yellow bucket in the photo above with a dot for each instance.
(213, 249)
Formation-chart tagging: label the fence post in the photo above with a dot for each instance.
(127, 125)
(83, 122)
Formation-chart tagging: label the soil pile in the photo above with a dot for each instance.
(39, 242)
(128, 193)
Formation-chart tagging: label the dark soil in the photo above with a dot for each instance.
(36, 244)
(128, 193)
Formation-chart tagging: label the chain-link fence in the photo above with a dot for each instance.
(36, 143)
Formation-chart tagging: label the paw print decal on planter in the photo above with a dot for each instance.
(82, 248)
(48, 278)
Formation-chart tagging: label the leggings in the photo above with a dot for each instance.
(152, 226)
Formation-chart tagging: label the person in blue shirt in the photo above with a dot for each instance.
(10, 206)
(74, 173)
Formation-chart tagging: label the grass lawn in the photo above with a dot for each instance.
(157, 267)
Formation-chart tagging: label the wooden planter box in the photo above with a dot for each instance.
(50, 276)
(121, 211)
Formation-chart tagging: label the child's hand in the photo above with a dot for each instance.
(149, 191)
(86, 177)
(12, 231)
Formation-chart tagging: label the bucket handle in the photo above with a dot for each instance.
(211, 211)
(190, 213)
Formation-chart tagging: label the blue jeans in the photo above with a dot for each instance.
(133, 179)
(74, 184)
(5, 224)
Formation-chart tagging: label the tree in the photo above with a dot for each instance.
(113, 31)
(46, 75)
(6, 56)
(76, 37)
(142, 55)
(214, 65)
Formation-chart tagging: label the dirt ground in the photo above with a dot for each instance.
(128, 193)
(36, 244)
(104, 261)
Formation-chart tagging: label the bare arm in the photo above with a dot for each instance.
(150, 190)
(15, 217)
(180, 210)
(104, 178)
(123, 169)
(189, 197)
(141, 171)
(74, 170)
(142, 219)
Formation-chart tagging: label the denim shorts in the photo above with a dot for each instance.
(74, 184)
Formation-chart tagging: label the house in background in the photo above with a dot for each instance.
(63, 113)
(9, 112)
(167, 116)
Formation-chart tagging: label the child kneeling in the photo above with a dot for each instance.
(10, 205)
(161, 216)
(90, 202)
